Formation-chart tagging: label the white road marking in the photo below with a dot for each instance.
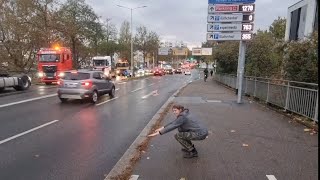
(213, 101)
(271, 177)
(121, 82)
(117, 89)
(28, 100)
(136, 90)
(155, 92)
(134, 177)
(107, 101)
(151, 84)
(26, 132)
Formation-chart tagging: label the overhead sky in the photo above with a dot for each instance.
(181, 20)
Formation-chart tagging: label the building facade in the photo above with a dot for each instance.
(302, 20)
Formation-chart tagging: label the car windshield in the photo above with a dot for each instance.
(76, 76)
(100, 62)
(49, 58)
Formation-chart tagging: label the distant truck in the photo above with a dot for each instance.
(121, 67)
(52, 62)
(19, 82)
(105, 64)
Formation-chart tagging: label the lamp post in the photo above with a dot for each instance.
(131, 9)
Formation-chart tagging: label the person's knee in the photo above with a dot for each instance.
(178, 136)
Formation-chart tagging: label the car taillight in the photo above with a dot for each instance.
(59, 82)
(86, 84)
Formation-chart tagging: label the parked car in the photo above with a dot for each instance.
(140, 72)
(84, 84)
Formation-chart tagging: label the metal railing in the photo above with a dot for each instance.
(297, 97)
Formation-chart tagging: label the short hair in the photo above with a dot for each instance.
(178, 106)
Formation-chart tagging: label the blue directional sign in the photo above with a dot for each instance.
(230, 1)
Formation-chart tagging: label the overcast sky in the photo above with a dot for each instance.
(181, 20)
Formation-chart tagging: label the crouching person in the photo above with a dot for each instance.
(189, 129)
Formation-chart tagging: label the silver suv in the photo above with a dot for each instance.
(84, 84)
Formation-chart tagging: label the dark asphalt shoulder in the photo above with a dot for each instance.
(246, 141)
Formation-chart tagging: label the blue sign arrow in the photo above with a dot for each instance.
(230, 1)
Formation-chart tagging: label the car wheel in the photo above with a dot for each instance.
(94, 97)
(63, 100)
(112, 92)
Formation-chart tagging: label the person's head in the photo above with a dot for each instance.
(177, 109)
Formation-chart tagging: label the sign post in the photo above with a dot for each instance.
(232, 20)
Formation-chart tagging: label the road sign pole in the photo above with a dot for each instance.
(242, 53)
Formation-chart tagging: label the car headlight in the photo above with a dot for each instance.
(40, 74)
(61, 74)
(118, 71)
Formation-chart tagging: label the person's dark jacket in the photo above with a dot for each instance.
(185, 122)
(206, 71)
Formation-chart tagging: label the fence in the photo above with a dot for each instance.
(297, 97)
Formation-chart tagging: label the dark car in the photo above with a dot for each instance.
(84, 84)
(178, 71)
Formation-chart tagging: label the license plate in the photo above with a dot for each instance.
(71, 85)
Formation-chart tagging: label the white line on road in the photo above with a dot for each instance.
(134, 177)
(152, 93)
(28, 100)
(271, 177)
(26, 132)
(117, 89)
(107, 101)
(121, 82)
(151, 84)
(136, 90)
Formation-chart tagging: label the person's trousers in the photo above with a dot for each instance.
(186, 138)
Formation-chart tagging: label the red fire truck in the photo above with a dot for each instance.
(52, 62)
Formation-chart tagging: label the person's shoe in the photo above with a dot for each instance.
(191, 154)
(185, 150)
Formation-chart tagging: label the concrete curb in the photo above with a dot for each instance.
(124, 161)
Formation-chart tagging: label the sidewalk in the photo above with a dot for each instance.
(246, 141)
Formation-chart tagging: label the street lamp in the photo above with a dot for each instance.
(131, 9)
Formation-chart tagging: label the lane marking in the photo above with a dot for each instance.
(214, 101)
(134, 177)
(136, 90)
(151, 84)
(117, 89)
(26, 132)
(121, 82)
(28, 100)
(107, 101)
(271, 177)
(155, 92)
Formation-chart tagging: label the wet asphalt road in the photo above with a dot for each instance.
(44, 139)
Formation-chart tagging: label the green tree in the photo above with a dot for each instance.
(125, 40)
(226, 54)
(278, 28)
(78, 25)
(302, 60)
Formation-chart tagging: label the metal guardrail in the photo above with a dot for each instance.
(297, 97)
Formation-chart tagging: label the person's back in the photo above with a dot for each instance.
(206, 71)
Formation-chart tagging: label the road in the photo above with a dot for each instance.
(40, 138)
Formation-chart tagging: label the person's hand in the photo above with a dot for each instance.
(153, 134)
(159, 129)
